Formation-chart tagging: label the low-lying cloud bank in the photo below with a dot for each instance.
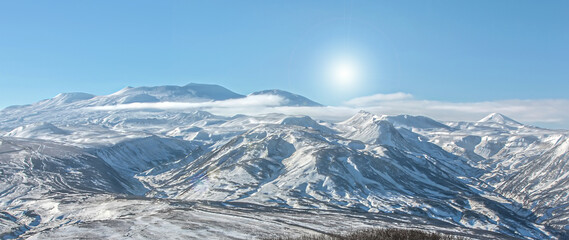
(249, 102)
(551, 113)
(541, 112)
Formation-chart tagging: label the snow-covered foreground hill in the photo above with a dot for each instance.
(147, 162)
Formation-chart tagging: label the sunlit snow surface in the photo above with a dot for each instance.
(117, 218)
(68, 171)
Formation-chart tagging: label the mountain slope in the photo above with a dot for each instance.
(495, 174)
(291, 99)
(291, 166)
(524, 163)
(32, 171)
(36, 130)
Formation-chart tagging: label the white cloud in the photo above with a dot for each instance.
(541, 112)
(253, 101)
(553, 113)
(378, 98)
(328, 113)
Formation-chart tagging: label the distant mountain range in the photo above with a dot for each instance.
(494, 178)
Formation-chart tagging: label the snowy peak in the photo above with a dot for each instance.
(362, 117)
(387, 134)
(408, 121)
(498, 118)
(190, 92)
(138, 98)
(72, 97)
(307, 122)
(291, 99)
(211, 91)
(370, 128)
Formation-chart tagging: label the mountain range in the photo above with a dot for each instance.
(80, 165)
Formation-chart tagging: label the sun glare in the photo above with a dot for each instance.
(344, 70)
(344, 74)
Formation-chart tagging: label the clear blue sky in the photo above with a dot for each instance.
(439, 50)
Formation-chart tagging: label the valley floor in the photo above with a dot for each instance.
(112, 217)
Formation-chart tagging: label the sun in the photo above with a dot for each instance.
(344, 73)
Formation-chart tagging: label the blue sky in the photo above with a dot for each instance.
(453, 51)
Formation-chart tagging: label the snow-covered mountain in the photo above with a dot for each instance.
(497, 118)
(291, 99)
(497, 177)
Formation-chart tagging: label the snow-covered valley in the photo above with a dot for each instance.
(150, 161)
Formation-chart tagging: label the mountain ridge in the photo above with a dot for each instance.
(494, 175)
(192, 92)
(498, 118)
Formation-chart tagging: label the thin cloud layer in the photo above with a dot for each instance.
(378, 98)
(544, 112)
(249, 102)
(551, 113)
